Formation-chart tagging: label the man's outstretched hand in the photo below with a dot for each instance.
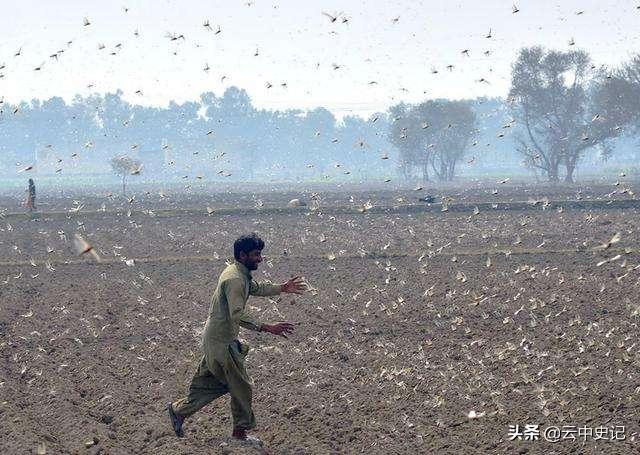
(281, 328)
(294, 286)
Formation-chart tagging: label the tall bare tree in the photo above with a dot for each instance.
(550, 99)
(125, 166)
(432, 136)
(618, 95)
(403, 136)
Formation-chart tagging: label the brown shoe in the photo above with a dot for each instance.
(240, 434)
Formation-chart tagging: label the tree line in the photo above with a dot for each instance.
(559, 107)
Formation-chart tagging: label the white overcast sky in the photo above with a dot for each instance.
(395, 43)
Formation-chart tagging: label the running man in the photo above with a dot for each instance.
(221, 369)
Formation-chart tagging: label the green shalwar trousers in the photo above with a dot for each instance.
(221, 371)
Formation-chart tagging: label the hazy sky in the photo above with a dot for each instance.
(396, 44)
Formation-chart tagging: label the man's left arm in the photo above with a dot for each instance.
(264, 288)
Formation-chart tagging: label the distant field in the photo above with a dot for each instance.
(73, 183)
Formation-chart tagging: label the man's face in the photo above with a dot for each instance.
(252, 259)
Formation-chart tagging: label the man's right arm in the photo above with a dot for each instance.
(234, 292)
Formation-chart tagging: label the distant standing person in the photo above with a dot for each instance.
(221, 369)
(31, 196)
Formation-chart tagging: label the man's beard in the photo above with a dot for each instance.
(252, 265)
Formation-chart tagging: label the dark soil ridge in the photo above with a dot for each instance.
(598, 204)
(370, 255)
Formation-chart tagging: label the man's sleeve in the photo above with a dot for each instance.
(263, 288)
(234, 291)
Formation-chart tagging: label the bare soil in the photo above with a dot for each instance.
(414, 321)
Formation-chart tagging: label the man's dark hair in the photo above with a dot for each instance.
(247, 243)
